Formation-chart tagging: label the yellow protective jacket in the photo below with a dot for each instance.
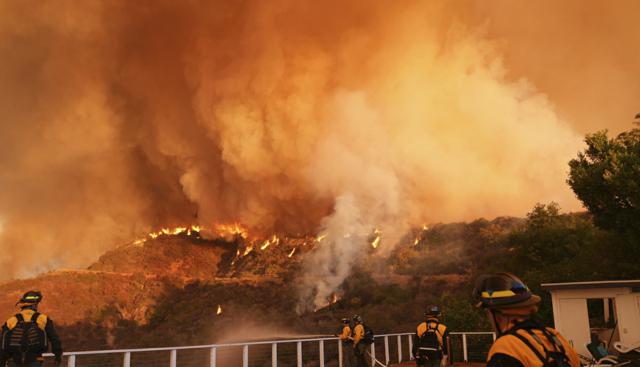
(346, 333)
(441, 332)
(358, 333)
(44, 323)
(27, 314)
(512, 350)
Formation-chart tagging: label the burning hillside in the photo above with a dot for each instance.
(220, 251)
(279, 115)
(141, 284)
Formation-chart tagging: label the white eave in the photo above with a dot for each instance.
(591, 285)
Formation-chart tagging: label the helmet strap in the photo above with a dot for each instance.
(494, 322)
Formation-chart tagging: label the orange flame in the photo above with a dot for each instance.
(219, 311)
(168, 232)
(234, 229)
(292, 252)
(266, 244)
(376, 242)
(236, 257)
(247, 250)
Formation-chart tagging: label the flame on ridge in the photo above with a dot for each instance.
(169, 232)
(334, 299)
(235, 229)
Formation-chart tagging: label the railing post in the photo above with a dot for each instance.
(245, 355)
(411, 356)
(465, 357)
(274, 355)
(386, 350)
(127, 359)
(399, 349)
(213, 357)
(373, 354)
(321, 361)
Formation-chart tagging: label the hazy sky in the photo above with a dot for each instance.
(121, 117)
(582, 54)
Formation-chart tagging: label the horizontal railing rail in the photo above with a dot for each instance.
(392, 348)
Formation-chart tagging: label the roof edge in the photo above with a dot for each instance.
(591, 285)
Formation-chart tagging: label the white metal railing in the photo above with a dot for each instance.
(402, 347)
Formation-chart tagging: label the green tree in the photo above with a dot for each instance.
(606, 178)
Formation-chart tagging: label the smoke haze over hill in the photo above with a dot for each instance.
(121, 117)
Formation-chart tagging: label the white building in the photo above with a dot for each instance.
(620, 301)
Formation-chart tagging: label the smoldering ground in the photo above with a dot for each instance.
(120, 117)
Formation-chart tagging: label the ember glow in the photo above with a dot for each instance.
(231, 230)
(267, 113)
(169, 232)
(375, 242)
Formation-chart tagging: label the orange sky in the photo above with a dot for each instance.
(123, 117)
(582, 54)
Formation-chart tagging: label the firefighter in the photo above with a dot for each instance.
(359, 345)
(522, 340)
(430, 346)
(345, 338)
(27, 335)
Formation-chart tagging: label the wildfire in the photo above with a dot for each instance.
(375, 242)
(236, 257)
(334, 299)
(266, 244)
(247, 250)
(232, 230)
(321, 237)
(219, 311)
(193, 229)
(274, 240)
(168, 232)
(292, 252)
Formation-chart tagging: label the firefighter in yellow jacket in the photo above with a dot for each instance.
(430, 345)
(27, 335)
(359, 347)
(345, 338)
(522, 341)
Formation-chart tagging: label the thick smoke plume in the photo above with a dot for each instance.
(119, 117)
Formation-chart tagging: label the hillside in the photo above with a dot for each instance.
(158, 284)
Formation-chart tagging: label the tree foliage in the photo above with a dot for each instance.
(606, 178)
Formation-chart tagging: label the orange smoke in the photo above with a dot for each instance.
(121, 117)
